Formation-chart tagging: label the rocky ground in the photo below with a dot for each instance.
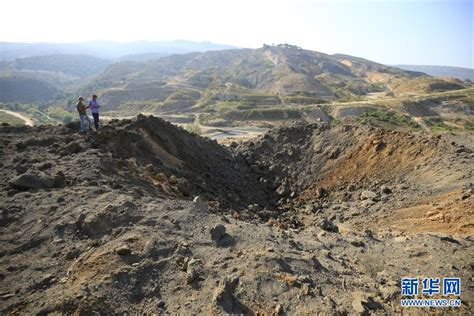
(143, 216)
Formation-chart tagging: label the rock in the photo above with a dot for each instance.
(389, 292)
(102, 221)
(363, 303)
(69, 149)
(403, 186)
(278, 309)
(193, 270)
(368, 195)
(160, 304)
(123, 250)
(217, 232)
(378, 145)
(45, 282)
(351, 187)
(173, 180)
(321, 192)
(282, 190)
(224, 297)
(385, 189)
(358, 306)
(253, 207)
(184, 187)
(20, 169)
(44, 166)
(305, 289)
(328, 225)
(37, 180)
(200, 205)
(334, 154)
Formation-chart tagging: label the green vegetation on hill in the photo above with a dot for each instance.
(25, 90)
(390, 117)
(424, 85)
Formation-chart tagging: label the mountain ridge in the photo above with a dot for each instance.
(103, 49)
(460, 73)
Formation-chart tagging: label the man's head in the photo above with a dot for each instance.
(81, 99)
(94, 97)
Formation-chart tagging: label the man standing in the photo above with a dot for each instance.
(94, 106)
(81, 108)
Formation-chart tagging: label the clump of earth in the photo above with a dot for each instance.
(144, 217)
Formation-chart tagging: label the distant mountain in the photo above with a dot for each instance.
(73, 65)
(108, 50)
(442, 71)
(142, 57)
(271, 74)
(40, 78)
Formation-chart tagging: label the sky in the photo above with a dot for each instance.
(423, 32)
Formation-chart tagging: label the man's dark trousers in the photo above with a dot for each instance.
(96, 120)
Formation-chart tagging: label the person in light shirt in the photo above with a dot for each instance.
(94, 107)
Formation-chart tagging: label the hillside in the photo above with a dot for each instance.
(266, 86)
(24, 89)
(442, 71)
(241, 87)
(285, 73)
(142, 217)
(73, 65)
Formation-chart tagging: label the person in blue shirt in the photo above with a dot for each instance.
(94, 107)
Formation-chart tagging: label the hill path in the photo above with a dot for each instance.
(23, 117)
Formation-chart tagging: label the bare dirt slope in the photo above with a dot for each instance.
(310, 218)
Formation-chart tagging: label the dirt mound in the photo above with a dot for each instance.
(144, 217)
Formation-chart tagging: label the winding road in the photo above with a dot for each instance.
(21, 116)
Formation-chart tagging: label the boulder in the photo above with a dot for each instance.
(37, 180)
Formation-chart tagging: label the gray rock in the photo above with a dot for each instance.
(385, 189)
(193, 270)
(253, 207)
(328, 225)
(44, 166)
(368, 195)
(37, 180)
(200, 205)
(123, 250)
(71, 148)
(224, 297)
(217, 232)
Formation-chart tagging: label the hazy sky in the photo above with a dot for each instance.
(438, 32)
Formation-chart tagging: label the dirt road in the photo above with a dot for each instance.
(21, 116)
